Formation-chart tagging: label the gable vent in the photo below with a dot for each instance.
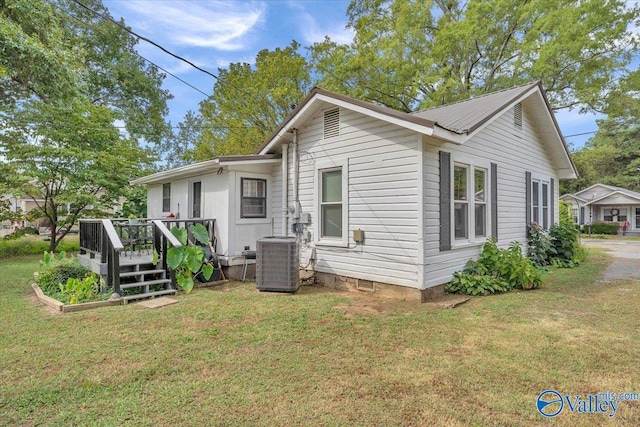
(517, 115)
(332, 123)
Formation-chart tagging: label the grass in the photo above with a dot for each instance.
(35, 245)
(233, 356)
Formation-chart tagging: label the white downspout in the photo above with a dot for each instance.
(285, 187)
(296, 200)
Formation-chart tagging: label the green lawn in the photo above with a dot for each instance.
(233, 356)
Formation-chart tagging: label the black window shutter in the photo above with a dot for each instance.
(494, 201)
(552, 199)
(527, 193)
(581, 219)
(445, 201)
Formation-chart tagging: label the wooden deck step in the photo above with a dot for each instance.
(149, 294)
(145, 283)
(140, 273)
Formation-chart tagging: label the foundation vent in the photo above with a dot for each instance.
(365, 285)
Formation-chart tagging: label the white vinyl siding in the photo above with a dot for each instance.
(514, 152)
(380, 164)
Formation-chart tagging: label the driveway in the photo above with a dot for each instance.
(626, 258)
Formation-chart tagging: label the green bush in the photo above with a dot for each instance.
(567, 249)
(496, 270)
(541, 250)
(602, 228)
(560, 246)
(58, 274)
(33, 246)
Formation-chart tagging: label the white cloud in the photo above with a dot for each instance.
(221, 25)
(314, 31)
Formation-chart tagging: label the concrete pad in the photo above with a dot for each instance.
(157, 302)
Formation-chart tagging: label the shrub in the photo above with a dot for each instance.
(566, 216)
(60, 273)
(603, 228)
(541, 250)
(496, 270)
(566, 243)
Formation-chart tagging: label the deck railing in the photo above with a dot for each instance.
(109, 238)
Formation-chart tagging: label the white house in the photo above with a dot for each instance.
(605, 203)
(388, 201)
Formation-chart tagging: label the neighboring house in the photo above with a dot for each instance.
(605, 203)
(383, 200)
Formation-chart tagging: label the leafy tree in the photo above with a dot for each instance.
(611, 157)
(248, 103)
(73, 157)
(413, 54)
(66, 76)
(177, 150)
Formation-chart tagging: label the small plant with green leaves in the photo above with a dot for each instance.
(189, 260)
(496, 270)
(76, 291)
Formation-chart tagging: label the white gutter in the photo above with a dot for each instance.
(285, 187)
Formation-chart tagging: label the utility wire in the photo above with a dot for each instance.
(167, 51)
(146, 59)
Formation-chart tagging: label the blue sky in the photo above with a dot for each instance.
(213, 34)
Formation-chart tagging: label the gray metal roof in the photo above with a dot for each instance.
(466, 116)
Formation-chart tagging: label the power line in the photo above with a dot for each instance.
(583, 133)
(148, 60)
(167, 51)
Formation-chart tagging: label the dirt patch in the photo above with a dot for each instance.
(33, 298)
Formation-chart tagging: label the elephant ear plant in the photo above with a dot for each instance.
(188, 260)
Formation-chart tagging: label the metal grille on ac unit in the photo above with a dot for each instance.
(277, 264)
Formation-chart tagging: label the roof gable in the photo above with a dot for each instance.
(453, 123)
(465, 117)
(615, 198)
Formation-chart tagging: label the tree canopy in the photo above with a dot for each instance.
(67, 77)
(249, 102)
(415, 54)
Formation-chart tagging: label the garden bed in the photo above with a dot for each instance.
(70, 308)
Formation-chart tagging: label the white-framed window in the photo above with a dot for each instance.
(166, 197)
(471, 202)
(253, 198)
(461, 202)
(196, 200)
(480, 201)
(332, 203)
(540, 201)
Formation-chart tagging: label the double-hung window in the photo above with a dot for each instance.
(480, 200)
(540, 202)
(470, 202)
(461, 202)
(166, 197)
(253, 198)
(331, 203)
